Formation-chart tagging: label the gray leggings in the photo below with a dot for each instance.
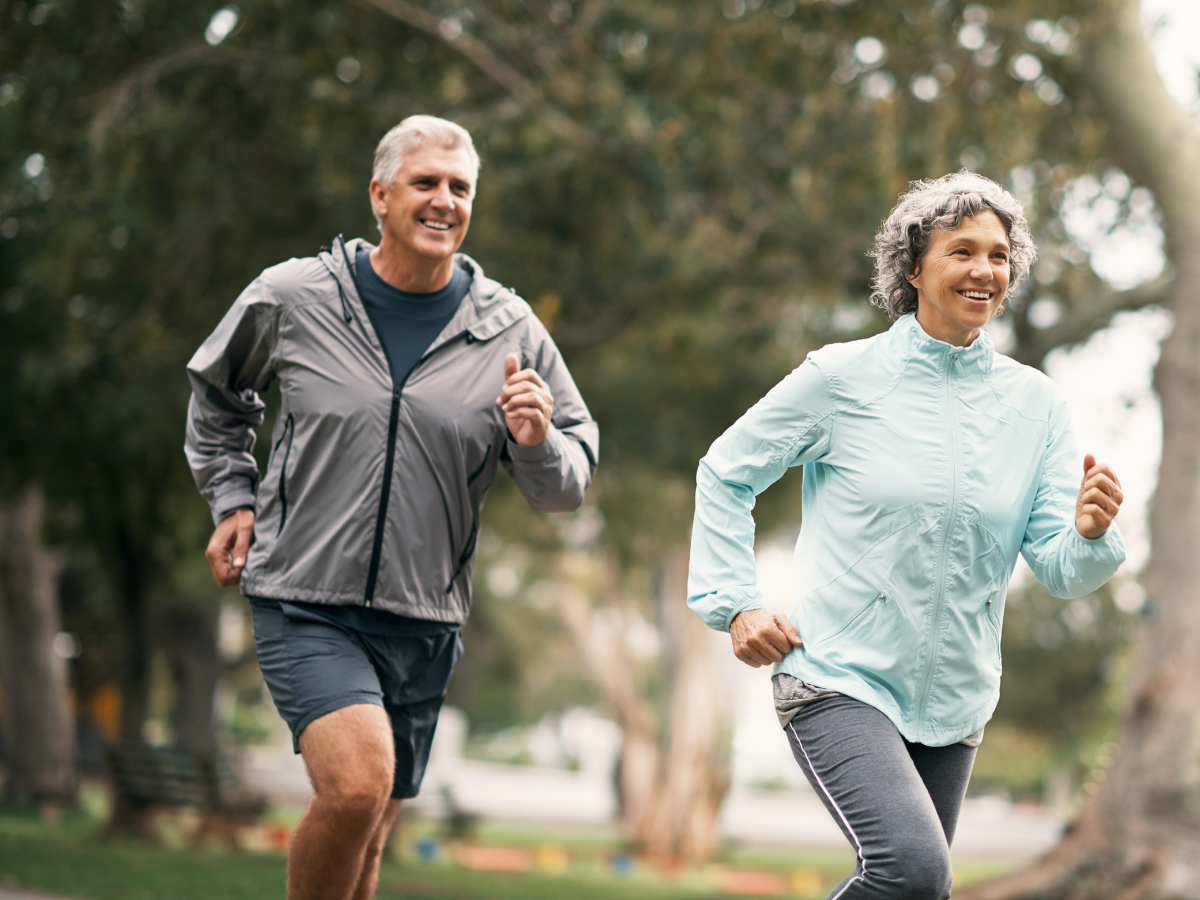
(896, 802)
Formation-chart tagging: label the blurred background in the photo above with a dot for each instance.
(685, 191)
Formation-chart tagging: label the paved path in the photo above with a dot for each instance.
(11, 893)
(988, 826)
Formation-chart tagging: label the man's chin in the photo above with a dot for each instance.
(435, 251)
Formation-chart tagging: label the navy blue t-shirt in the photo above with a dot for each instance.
(407, 324)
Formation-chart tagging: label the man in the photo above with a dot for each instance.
(406, 377)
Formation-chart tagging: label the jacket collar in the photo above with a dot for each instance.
(487, 310)
(914, 342)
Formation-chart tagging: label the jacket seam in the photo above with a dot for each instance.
(786, 450)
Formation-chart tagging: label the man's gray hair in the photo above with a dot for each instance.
(942, 203)
(413, 133)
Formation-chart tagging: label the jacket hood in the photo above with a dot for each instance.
(493, 307)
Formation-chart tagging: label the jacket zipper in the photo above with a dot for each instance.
(393, 423)
(289, 432)
(377, 546)
(869, 609)
(951, 510)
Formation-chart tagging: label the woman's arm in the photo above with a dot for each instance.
(790, 426)
(1062, 558)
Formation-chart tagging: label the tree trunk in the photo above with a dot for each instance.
(129, 564)
(670, 801)
(191, 643)
(685, 823)
(1140, 838)
(39, 727)
(613, 673)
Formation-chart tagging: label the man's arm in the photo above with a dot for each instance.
(229, 371)
(553, 441)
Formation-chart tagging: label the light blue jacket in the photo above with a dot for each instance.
(927, 468)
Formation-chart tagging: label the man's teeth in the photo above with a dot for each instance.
(976, 295)
(436, 226)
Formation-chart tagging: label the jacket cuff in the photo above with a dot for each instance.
(1108, 548)
(235, 494)
(719, 609)
(538, 453)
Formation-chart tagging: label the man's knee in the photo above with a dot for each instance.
(361, 794)
(351, 760)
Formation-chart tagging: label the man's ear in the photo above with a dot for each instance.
(378, 195)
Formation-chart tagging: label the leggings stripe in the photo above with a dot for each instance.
(862, 862)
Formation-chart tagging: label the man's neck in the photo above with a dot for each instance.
(408, 271)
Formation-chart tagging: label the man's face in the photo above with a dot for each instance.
(427, 209)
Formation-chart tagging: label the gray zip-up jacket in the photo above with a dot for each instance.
(373, 488)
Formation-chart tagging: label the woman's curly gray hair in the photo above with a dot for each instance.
(942, 203)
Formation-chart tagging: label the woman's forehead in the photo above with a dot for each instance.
(983, 226)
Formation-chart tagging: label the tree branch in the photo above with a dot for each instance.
(479, 54)
(1082, 320)
(118, 100)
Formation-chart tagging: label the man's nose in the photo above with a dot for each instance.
(443, 199)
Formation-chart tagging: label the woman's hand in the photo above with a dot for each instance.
(761, 637)
(1099, 499)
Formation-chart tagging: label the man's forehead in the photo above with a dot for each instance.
(439, 161)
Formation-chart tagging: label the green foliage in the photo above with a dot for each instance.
(686, 192)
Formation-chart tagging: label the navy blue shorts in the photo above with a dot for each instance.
(313, 667)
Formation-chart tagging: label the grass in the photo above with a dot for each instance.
(68, 858)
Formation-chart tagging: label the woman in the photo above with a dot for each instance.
(930, 461)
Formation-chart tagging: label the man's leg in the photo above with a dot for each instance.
(859, 766)
(369, 875)
(351, 762)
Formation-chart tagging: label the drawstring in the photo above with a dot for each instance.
(341, 293)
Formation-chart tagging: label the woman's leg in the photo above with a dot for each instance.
(860, 767)
(945, 771)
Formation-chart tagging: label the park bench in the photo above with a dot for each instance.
(146, 779)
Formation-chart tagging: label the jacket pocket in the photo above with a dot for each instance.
(856, 620)
(289, 432)
(468, 549)
(992, 621)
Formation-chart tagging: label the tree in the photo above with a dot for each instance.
(1140, 837)
(684, 191)
(39, 731)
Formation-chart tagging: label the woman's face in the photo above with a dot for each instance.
(962, 279)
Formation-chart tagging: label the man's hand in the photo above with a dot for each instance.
(1099, 499)
(527, 403)
(226, 553)
(761, 637)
